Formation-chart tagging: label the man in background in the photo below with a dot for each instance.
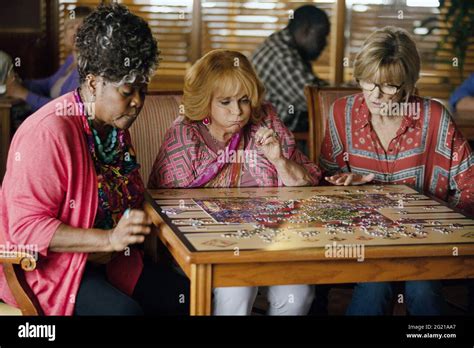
(284, 64)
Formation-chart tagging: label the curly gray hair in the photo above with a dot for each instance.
(117, 45)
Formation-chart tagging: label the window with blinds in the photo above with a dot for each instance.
(243, 25)
(421, 18)
(170, 22)
(186, 29)
(238, 25)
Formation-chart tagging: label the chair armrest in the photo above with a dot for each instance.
(11, 261)
(25, 260)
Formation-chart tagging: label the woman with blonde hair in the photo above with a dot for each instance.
(389, 135)
(230, 137)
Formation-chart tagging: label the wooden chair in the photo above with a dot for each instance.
(303, 136)
(148, 131)
(319, 100)
(14, 265)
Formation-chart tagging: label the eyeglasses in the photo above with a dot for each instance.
(385, 88)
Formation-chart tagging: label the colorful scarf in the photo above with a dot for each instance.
(119, 183)
(222, 174)
(120, 187)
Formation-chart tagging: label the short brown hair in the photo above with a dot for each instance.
(389, 55)
(224, 70)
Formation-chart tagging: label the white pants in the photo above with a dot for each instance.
(283, 300)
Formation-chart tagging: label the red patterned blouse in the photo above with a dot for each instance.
(428, 152)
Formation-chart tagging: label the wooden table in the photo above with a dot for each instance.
(465, 122)
(6, 105)
(304, 259)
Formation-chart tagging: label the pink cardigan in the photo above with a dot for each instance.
(50, 179)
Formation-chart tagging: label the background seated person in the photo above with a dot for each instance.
(37, 93)
(284, 64)
(463, 97)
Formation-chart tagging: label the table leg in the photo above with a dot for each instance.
(201, 288)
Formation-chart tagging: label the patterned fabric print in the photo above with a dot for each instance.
(428, 152)
(284, 74)
(184, 154)
(231, 173)
(119, 183)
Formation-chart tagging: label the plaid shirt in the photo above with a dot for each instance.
(284, 74)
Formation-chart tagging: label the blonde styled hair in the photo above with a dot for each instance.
(389, 55)
(228, 72)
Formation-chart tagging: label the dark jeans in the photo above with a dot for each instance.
(160, 291)
(422, 298)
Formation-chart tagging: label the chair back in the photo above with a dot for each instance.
(319, 100)
(148, 131)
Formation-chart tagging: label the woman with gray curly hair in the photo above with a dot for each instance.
(72, 192)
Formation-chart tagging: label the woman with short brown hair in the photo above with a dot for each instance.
(389, 135)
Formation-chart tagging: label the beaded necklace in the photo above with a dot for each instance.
(119, 184)
(107, 151)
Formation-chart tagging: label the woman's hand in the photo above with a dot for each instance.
(289, 172)
(267, 140)
(131, 229)
(347, 179)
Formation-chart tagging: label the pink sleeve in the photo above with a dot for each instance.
(289, 148)
(35, 188)
(173, 167)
